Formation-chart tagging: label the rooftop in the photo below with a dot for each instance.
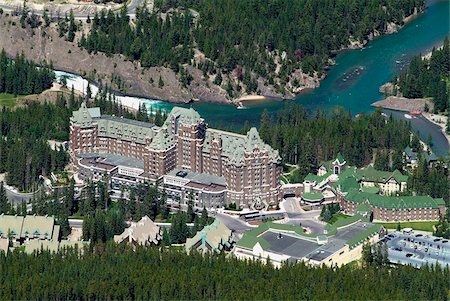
(4, 245)
(126, 120)
(200, 178)
(215, 235)
(143, 232)
(312, 196)
(290, 240)
(394, 203)
(373, 175)
(186, 116)
(315, 178)
(10, 224)
(38, 225)
(112, 160)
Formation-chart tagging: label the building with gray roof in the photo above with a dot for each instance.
(340, 244)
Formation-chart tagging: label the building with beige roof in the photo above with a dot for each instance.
(144, 233)
(52, 245)
(28, 227)
(11, 226)
(40, 227)
(213, 238)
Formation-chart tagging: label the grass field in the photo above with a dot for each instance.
(7, 100)
(421, 226)
(337, 217)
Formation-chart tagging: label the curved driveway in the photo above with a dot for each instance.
(17, 197)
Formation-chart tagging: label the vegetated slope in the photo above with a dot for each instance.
(117, 273)
(215, 50)
(21, 76)
(246, 46)
(429, 77)
(43, 43)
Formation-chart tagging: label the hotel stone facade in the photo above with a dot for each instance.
(146, 152)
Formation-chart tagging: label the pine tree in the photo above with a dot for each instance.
(4, 206)
(190, 210)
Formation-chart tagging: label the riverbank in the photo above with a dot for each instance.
(404, 104)
(440, 121)
(417, 105)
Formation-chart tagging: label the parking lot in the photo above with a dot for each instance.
(417, 249)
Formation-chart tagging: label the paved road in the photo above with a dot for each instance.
(18, 198)
(233, 223)
(417, 249)
(297, 216)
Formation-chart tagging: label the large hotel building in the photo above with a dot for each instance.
(183, 155)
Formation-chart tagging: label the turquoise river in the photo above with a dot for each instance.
(354, 81)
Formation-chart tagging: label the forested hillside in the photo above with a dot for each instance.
(24, 151)
(22, 77)
(307, 139)
(118, 273)
(244, 46)
(429, 77)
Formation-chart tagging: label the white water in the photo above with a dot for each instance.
(80, 84)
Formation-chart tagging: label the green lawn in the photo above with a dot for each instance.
(337, 217)
(7, 100)
(284, 179)
(421, 226)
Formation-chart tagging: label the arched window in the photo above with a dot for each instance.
(336, 170)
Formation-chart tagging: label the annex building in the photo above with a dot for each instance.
(340, 244)
(129, 152)
(144, 233)
(25, 228)
(377, 194)
(214, 238)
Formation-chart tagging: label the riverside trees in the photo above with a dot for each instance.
(22, 77)
(306, 139)
(245, 39)
(429, 78)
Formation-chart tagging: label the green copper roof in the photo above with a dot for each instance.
(113, 126)
(312, 196)
(394, 203)
(348, 183)
(315, 178)
(340, 159)
(234, 146)
(363, 207)
(163, 140)
(370, 174)
(251, 237)
(361, 237)
(369, 189)
(184, 115)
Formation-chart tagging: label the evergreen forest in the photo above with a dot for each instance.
(248, 41)
(119, 273)
(306, 139)
(429, 77)
(20, 76)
